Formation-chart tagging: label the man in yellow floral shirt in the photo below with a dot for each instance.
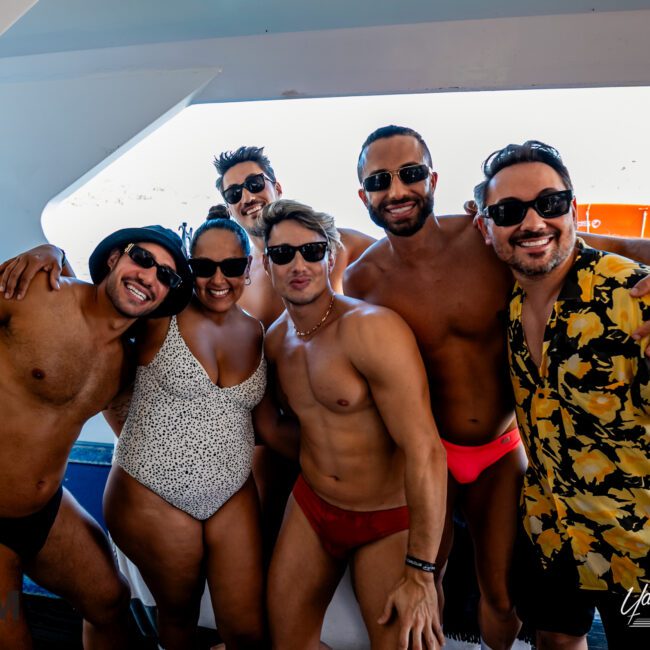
(582, 391)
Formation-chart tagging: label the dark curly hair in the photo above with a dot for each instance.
(512, 154)
(228, 159)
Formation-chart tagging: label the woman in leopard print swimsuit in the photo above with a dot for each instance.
(180, 501)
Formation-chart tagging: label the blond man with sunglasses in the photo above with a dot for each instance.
(371, 491)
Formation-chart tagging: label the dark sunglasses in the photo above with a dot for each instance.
(408, 175)
(231, 267)
(513, 211)
(253, 183)
(146, 260)
(284, 253)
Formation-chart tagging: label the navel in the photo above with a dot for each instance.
(37, 373)
(342, 402)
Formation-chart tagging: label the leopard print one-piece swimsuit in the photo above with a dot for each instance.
(185, 438)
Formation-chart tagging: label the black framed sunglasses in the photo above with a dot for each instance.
(231, 267)
(146, 260)
(284, 253)
(513, 211)
(408, 175)
(254, 183)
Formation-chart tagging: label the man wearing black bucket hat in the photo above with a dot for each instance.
(61, 362)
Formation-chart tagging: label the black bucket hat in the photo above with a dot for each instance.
(177, 299)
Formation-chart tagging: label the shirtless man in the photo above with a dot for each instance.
(452, 290)
(247, 183)
(61, 362)
(350, 372)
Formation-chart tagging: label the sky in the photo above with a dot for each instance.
(313, 145)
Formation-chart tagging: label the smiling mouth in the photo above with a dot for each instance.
(400, 209)
(140, 295)
(218, 293)
(253, 211)
(535, 243)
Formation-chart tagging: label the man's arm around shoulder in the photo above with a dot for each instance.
(17, 273)
(635, 248)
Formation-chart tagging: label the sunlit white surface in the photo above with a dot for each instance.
(313, 145)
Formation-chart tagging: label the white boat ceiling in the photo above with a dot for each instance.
(81, 80)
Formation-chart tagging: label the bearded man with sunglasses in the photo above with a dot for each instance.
(452, 290)
(372, 485)
(582, 392)
(61, 362)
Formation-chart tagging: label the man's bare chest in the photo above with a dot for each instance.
(443, 305)
(62, 367)
(318, 375)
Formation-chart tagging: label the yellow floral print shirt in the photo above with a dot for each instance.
(585, 419)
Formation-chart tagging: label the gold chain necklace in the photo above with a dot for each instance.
(322, 320)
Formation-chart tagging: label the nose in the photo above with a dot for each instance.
(147, 276)
(397, 189)
(218, 275)
(246, 196)
(532, 220)
(298, 262)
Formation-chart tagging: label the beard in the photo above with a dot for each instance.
(536, 268)
(406, 228)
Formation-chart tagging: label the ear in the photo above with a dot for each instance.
(112, 258)
(434, 180)
(574, 208)
(265, 262)
(331, 260)
(481, 222)
(363, 196)
(278, 189)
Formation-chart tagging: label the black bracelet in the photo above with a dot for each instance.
(63, 259)
(416, 563)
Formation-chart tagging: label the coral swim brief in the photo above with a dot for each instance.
(341, 531)
(466, 463)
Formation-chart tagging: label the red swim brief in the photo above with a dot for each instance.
(341, 531)
(466, 463)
